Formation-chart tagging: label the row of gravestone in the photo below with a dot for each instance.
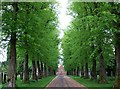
(3, 77)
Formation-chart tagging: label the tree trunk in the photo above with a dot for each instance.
(116, 25)
(117, 80)
(26, 70)
(102, 72)
(86, 71)
(16, 76)
(49, 71)
(12, 62)
(45, 70)
(93, 72)
(39, 70)
(78, 70)
(42, 74)
(34, 76)
(1, 77)
(82, 71)
(54, 72)
(73, 72)
(21, 75)
(5, 77)
(109, 71)
(21, 72)
(11, 82)
(70, 72)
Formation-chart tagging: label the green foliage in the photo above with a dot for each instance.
(35, 28)
(91, 29)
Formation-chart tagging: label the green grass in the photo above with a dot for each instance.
(41, 83)
(94, 84)
(0, 86)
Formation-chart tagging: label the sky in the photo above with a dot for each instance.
(63, 18)
(3, 55)
(64, 21)
(3, 52)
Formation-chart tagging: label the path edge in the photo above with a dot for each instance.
(50, 82)
(78, 82)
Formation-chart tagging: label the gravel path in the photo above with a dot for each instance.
(64, 82)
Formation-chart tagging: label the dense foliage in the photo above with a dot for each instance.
(89, 43)
(30, 29)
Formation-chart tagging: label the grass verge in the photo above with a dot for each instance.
(41, 83)
(90, 84)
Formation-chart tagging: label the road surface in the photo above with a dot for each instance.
(64, 82)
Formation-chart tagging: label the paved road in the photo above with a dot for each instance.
(64, 82)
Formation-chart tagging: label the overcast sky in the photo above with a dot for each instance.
(64, 20)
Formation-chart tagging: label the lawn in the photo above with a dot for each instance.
(94, 84)
(0, 86)
(41, 84)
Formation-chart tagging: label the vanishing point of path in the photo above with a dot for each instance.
(64, 82)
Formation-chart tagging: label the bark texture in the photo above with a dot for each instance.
(78, 71)
(21, 72)
(117, 80)
(42, 74)
(26, 70)
(1, 77)
(39, 70)
(12, 62)
(11, 82)
(21, 75)
(93, 72)
(82, 71)
(34, 74)
(102, 72)
(86, 70)
(45, 70)
(5, 78)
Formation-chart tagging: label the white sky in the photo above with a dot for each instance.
(64, 20)
(3, 53)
